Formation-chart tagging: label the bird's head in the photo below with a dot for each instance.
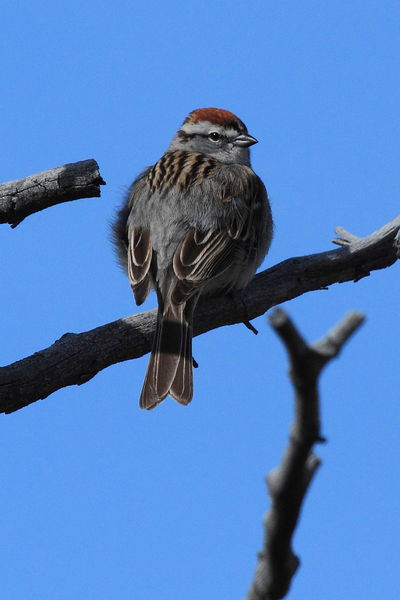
(215, 132)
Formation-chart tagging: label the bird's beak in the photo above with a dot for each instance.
(244, 140)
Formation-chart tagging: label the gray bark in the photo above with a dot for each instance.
(23, 197)
(289, 482)
(76, 358)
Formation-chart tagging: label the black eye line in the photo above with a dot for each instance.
(221, 137)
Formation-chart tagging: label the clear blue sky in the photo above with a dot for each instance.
(100, 500)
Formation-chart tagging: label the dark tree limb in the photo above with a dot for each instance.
(288, 483)
(397, 244)
(76, 358)
(23, 197)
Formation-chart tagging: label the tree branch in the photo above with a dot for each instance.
(76, 358)
(288, 483)
(23, 197)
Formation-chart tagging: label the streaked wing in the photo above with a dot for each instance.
(236, 243)
(199, 258)
(139, 260)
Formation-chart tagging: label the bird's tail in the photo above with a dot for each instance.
(170, 366)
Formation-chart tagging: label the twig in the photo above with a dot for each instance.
(76, 358)
(23, 197)
(345, 237)
(251, 327)
(288, 483)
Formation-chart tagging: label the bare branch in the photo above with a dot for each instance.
(76, 358)
(23, 197)
(288, 483)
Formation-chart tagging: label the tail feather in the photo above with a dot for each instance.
(182, 385)
(165, 357)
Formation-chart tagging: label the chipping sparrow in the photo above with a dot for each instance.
(196, 222)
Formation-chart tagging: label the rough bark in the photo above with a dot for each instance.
(76, 358)
(23, 197)
(289, 482)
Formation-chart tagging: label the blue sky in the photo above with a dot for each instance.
(99, 499)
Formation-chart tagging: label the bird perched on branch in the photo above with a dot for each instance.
(197, 222)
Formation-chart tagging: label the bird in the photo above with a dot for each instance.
(196, 223)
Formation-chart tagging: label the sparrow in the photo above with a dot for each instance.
(198, 222)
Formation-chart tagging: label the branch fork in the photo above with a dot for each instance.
(288, 483)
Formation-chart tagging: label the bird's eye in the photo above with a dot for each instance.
(214, 136)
